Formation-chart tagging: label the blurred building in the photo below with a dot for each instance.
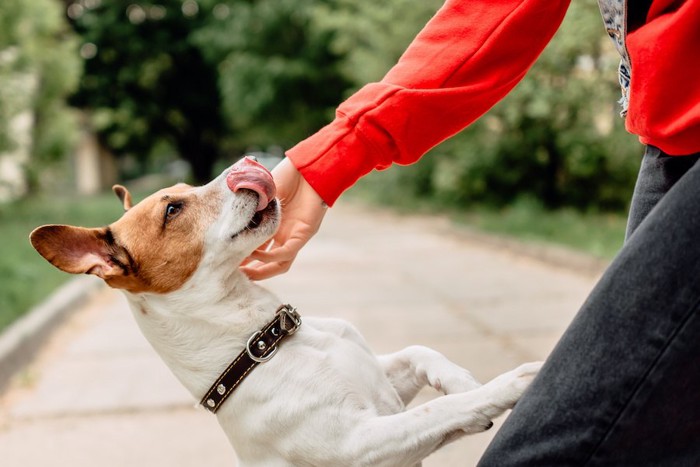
(18, 91)
(94, 168)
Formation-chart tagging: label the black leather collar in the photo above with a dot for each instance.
(261, 347)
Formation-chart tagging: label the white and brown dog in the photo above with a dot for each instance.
(324, 399)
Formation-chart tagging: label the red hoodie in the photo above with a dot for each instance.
(664, 107)
(467, 58)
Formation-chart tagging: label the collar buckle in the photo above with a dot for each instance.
(290, 320)
(261, 346)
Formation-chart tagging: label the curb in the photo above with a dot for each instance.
(20, 342)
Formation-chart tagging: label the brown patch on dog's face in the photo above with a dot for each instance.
(165, 238)
(161, 242)
(154, 247)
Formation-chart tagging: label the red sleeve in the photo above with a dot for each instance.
(664, 107)
(470, 55)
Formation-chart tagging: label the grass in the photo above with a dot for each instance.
(599, 235)
(26, 278)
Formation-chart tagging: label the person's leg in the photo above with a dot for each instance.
(658, 173)
(622, 385)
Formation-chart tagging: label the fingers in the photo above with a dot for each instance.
(302, 213)
(281, 253)
(258, 271)
(263, 264)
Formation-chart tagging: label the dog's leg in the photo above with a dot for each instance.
(411, 369)
(408, 437)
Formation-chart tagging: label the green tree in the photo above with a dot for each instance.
(206, 77)
(370, 35)
(146, 83)
(556, 137)
(39, 67)
(279, 79)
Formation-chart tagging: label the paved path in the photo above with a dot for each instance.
(89, 399)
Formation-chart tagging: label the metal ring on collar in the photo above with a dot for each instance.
(252, 355)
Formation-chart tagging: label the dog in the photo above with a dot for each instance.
(306, 394)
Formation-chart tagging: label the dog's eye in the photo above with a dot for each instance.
(172, 210)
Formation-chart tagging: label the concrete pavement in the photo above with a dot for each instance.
(88, 399)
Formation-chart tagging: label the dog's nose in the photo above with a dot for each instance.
(248, 174)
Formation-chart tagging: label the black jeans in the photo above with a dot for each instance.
(622, 386)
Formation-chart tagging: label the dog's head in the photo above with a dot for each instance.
(158, 244)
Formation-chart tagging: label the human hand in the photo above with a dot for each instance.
(302, 213)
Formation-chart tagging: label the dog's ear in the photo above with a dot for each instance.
(76, 250)
(123, 195)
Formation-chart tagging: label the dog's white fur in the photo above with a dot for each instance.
(324, 399)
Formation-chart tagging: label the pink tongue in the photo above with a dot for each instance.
(250, 175)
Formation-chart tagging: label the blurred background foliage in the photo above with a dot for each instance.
(158, 82)
(556, 140)
(39, 67)
(207, 80)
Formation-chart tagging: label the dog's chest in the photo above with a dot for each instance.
(350, 369)
(335, 382)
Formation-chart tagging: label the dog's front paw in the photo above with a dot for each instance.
(510, 386)
(452, 379)
(525, 373)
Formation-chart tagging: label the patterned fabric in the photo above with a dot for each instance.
(615, 19)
